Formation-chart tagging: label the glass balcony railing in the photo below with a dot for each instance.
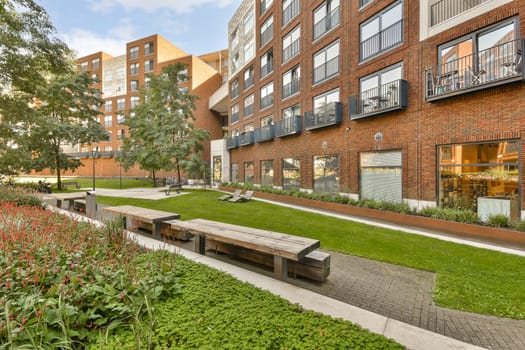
(264, 133)
(327, 115)
(385, 98)
(498, 65)
(288, 126)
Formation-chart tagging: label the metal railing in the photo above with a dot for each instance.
(264, 133)
(267, 100)
(292, 50)
(288, 126)
(235, 117)
(246, 138)
(291, 11)
(248, 110)
(267, 35)
(382, 41)
(497, 65)
(291, 88)
(327, 115)
(326, 70)
(326, 24)
(266, 69)
(232, 142)
(235, 92)
(386, 97)
(248, 82)
(446, 9)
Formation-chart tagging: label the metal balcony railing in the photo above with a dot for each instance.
(235, 117)
(446, 9)
(291, 11)
(267, 100)
(232, 142)
(327, 115)
(382, 41)
(288, 126)
(248, 110)
(326, 70)
(266, 69)
(291, 88)
(500, 64)
(385, 98)
(327, 23)
(267, 35)
(248, 82)
(246, 138)
(291, 50)
(264, 133)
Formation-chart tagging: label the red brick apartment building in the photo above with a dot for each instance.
(120, 79)
(419, 101)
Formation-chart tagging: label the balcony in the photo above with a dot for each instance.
(385, 98)
(327, 115)
(443, 10)
(498, 65)
(232, 142)
(246, 138)
(289, 126)
(264, 133)
(326, 24)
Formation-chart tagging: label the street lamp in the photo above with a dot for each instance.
(94, 152)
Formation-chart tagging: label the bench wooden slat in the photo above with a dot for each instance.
(144, 214)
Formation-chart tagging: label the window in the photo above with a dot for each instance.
(234, 89)
(292, 44)
(108, 75)
(108, 106)
(120, 119)
(95, 63)
(249, 172)
(265, 5)
(234, 41)
(248, 106)
(474, 175)
(234, 114)
(380, 176)
(235, 172)
(121, 134)
(267, 172)
(134, 101)
(290, 10)
(134, 68)
(382, 32)
(378, 89)
(146, 82)
(267, 120)
(183, 75)
(267, 31)
(133, 52)
(267, 95)
(235, 62)
(365, 2)
(121, 103)
(326, 17)
(148, 65)
(121, 72)
(110, 135)
(326, 63)
(249, 51)
(324, 101)
(326, 174)
(148, 48)
(267, 63)
(289, 125)
(248, 78)
(291, 81)
(108, 121)
(248, 23)
(291, 174)
(217, 169)
(83, 67)
(134, 85)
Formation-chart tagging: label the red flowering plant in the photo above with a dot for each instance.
(61, 281)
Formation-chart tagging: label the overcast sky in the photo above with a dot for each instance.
(89, 26)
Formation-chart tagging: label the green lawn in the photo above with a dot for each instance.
(468, 278)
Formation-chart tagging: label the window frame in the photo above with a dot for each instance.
(324, 51)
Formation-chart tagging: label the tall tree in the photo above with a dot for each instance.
(44, 102)
(162, 135)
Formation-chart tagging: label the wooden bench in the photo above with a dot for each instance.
(66, 184)
(135, 218)
(79, 205)
(172, 187)
(239, 240)
(69, 197)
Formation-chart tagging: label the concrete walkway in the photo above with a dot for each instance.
(385, 298)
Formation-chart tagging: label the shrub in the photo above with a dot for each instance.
(519, 225)
(498, 221)
(451, 214)
(20, 196)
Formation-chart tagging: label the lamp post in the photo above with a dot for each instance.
(94, 152)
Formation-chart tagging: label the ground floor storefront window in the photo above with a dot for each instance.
(482, 177)
(249, 172)
(326, 174)
(217, 169)
(267, 172)
(291, 174)
(380, 176)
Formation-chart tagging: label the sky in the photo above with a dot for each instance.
(89, 26)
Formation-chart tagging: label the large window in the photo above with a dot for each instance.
(249, 172)
(326, 174)
(234, 114)
(326, 17)
(378, 89)
(267, 95)
(291, 174)
(134, 85)
(148, 48)
(290, 10)
(292, 44)
(121, 104)
(326, 63)
(248, 77)
(248, 105)
(483, 177)
(291, 81)
(382, 32)
(267, 172)
(134, 101)
(108, 121)
(235, 172)
(267, 63)
(249, 51)
(148, 65)
(134, 68)
(95, 63)
(380, 176)
(265, 5)
(108, 106)
(234, 89)
(133, 52)
(248, 22)
(267, 31)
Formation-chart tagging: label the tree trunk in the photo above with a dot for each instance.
(154, 177)
(178, 170)
(57, 164)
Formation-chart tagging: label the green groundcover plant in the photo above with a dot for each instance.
(69, 285)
